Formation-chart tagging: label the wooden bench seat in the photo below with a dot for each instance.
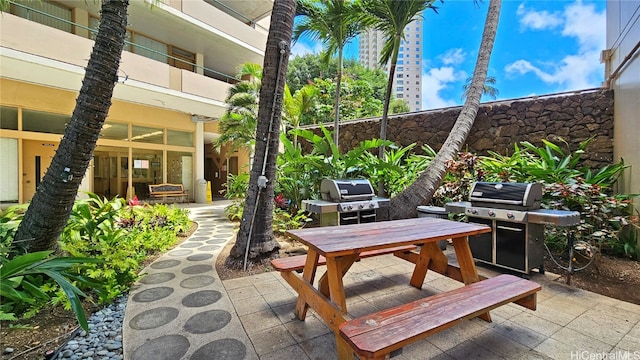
(296, 263)
(168, 191)
(376, 335)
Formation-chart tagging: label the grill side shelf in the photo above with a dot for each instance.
(554, 217)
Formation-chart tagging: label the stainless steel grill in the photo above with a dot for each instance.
(345, 201)
(513, 212)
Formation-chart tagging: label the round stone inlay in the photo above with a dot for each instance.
(153, 318)
(223, 349)
(153, 294)
(197, 269)
(157, 278)
(168, 347)
(201, 298)
(165, 264)
(209, 248)
(198, 238)
(222, 236)
(216, 241)
(180, 252)
(191, 245)
(199, 257)
(197, 281)
(207, 321)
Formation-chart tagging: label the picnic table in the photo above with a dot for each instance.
(376, 335)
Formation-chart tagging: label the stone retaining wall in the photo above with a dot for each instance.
(574, 117)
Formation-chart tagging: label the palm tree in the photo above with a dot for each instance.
(391, 17)
(298, 106)
(334, 23)
(421, 191)
(51, 206)
(487, 89)
(238, 125)
(255, 238)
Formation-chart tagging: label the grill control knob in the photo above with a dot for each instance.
(474, 211)
(372, 205)
(349, 207)
(510, 215)
(361, 206)
(491, 213)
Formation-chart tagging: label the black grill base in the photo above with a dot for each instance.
(514, 246)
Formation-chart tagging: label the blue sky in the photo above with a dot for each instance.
(541, 47)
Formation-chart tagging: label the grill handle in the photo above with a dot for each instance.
(497, 201)
(508, 228)
(358, 196)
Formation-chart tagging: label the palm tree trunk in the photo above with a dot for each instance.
(421, 191)
(255, 238)
(336, 110)
(385, 110)
(50, 207)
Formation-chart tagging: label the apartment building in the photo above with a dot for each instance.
(407, 82)
(622, 69)
(180, 58)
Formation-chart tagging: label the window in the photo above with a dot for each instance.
(400, 62)
(400, 82)
(399, 89)
(147, 135)
(400, 68)
(417, 83)
(182, 59)
(114, 131)
(44, 122)
(180, 138)
(150, 48)
(399, 75)
(399, 96)
(46, 13)
(417, 96)
(8, 118)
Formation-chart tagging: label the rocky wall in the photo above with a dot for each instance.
(574, 117)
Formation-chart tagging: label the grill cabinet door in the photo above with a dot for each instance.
(482, 245)
(511, 245)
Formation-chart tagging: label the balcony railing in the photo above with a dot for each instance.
(206, 71)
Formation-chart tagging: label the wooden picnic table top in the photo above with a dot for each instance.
(353, 239)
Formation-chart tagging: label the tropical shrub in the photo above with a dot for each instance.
(9, 221)
(121, 237)
(25, 291)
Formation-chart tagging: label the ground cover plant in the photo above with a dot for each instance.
(101, 252)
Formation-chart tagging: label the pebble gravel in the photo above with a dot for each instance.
(104, 339)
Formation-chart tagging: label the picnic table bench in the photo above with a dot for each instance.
(168, 191)
(377, 335)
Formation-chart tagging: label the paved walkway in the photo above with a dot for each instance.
(181, 310)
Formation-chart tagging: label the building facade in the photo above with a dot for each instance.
(622, 74)
(180, 59)
(407, 82)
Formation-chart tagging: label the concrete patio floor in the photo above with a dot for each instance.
(252, 317)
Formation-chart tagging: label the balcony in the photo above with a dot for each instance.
(39, 54)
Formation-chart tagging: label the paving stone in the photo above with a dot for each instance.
(197, 269)
(207, 321)
(152, 294)
(153, 318)
(157, 278)
(197, 281)
(168, 347)
(165, 264)
(199, 257)
(222, 349)
(201, 298)
(180, 252)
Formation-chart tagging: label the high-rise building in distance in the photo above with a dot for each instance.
(407, 82)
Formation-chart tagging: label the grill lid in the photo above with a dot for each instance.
(515, 196)
(341, 190)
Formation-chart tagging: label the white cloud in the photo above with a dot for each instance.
(453, 56)
(301, 49)
(573, 71)
(538, 20)
(434, 81)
